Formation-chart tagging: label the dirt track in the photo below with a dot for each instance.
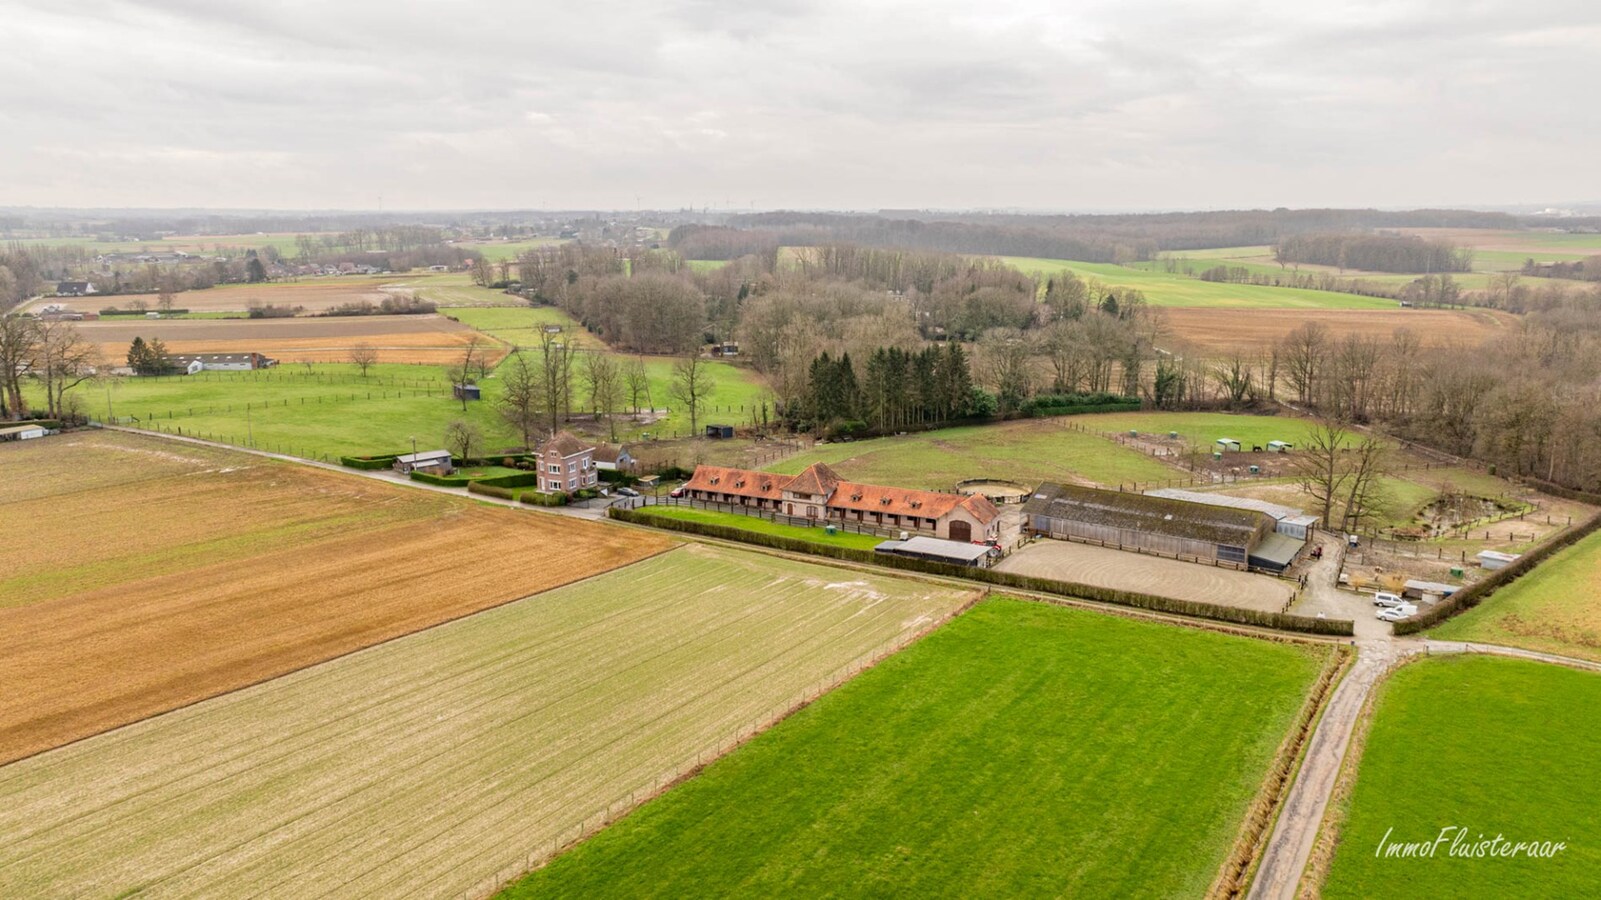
(1221, 330)
(1103, 567)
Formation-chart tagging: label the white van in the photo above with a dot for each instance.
(1387, 599)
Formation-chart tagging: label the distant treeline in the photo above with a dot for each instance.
(1091, 238)
(1588, 269)
(1374, 253)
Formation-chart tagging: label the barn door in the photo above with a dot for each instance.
(961, 531)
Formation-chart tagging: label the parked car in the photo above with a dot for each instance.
(627, 492)
(676, 492)
(1385, 598)
(1396, 613)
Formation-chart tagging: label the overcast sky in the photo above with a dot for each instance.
(801, 103)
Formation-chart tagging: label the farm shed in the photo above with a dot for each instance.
(1144, 522)
(612, 458)
(1290, 521)
(719, 431)
(22, 432)
(1490, 560)
(1428, 590)
(220, 362)
(1228, 444)
(434, 462)
(956, 552)
(466, 392)
(1279, 446)
(1275, 553)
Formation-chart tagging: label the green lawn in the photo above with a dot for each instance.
(1028, 451)
(1163, 289)
(706, 265)
(763, 526)
(1205, 428)
(1498, 747)
(1555, 608)
(1021, 750)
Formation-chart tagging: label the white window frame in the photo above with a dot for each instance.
(553, 469)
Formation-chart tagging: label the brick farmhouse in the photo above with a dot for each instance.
(819, 493)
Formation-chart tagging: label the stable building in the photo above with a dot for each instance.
(818, 493)
(431, 462)
(195, 363)
(1147, 523)
(1287, 520)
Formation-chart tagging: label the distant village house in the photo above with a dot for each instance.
(567, 464)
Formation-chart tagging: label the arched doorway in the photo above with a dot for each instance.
(961, 531)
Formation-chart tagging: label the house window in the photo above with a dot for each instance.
(555, 469)
(572, 483)
(572, 467)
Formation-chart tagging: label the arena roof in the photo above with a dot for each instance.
(1142, 512)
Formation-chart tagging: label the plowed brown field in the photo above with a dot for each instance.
(1251, 330)
(201, 571)
(398, 339)
(314, 294)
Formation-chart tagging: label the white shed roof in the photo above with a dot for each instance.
(927, 546)
(1277, 511)
(423, 456)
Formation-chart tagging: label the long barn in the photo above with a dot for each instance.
(1141, 522)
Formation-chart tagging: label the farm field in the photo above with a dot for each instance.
(1176, 290)
(1028, 451)
(1494, 746)
(398, 339)
(763, 526)
(140, 586)
(1205, 428)
(1555, 608)
(208, 244)
(1021, 750)
(443, 762)
(321, 411)
(1124, 570)
(315, 294)
(1224, 330)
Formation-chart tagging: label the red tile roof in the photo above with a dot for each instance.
(739, 482)
(816, 478)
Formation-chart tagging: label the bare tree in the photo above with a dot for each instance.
(638, 382)
(556, 378)
(1236, 378)
(164, 300)
(463, 372)
(363, 357)
(1319, 468)
(19, 350)
(65, 360)
(692, 384)
(521, 393)
(461, 437)
(1365, 497)
(605, 387)
(1304, 352)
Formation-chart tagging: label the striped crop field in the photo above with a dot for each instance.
(452, 760)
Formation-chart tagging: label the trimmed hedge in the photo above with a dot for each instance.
(443, 480)
(1134, 599)
(479, 487)
(544, 498)
(521, 479)
(1474, 594)
(369, 463)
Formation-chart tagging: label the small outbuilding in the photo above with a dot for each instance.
(1490, 560)
(25, 432)
(1279, 446)
(1431, 591)
(719, 431)
(958, 553)
(433, 462)
(466, 392)
(1228, 444)
(613, 458)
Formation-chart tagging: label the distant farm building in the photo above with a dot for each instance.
(818, 493)
(726, 348)
(466, 392)
(75, 289)
(1243, 538)
(719, 431)
(1288, 520)
(433, 462)
(195, 363)
(566, 464)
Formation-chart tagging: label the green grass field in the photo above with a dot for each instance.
(763, 526)
(1163, 289)
(1498, 747)
(1205, 428)
(1028, 451)
(1555, 608)
(1021, 750)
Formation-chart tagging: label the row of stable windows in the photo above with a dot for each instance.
(810, 511)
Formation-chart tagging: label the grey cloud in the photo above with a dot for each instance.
(812, 103)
